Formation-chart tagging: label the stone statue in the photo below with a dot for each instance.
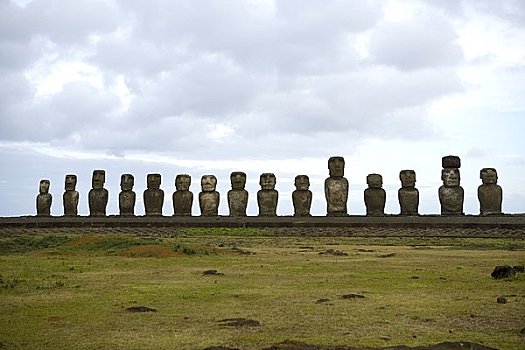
(209, 198)
(153, 196)
(98, 195)
(126, 198)
(238, 196)
(267, 196)
(490, 194)
(44, 199)
(182, 197)
(302, 196)
(408, 194)
(451, 194)
(70, 197)
(336, 188)
(375, 195)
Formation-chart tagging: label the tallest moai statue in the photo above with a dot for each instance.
(336, 188)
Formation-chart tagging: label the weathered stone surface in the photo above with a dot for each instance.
(182, 197)
(70, 197)
(153, 196)
(127, 198)
(451, 194)
(302, 196)
(336, 188)
(451, 162)
(490, 194)
(98, 195)
(503, 271)
(44, 199)
(375, 195)
(238, 196)
(408, 194)
(267, 196)
(209, 198)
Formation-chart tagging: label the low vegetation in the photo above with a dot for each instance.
(70, 291)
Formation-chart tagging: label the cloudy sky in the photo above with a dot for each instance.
(211, 87)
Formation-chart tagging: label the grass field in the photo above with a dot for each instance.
(70, 291)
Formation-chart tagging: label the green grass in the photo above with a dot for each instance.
(70, 291)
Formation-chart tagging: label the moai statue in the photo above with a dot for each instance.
(302, 196)
(126, 198)
(490, 194)
(70, 197)
(408, 194)
(98, 195)
(153, 196)
(336, 188)
(182, 197)
(375, 195)
(267, 196)
(238, 196)
(44, 199)
(451, 194)
(209, 198)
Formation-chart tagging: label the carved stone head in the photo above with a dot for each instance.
(488, 176)
(336, 166)
(267, 181)
(302, 182)
(408, 178)
(450, 177)
(127, 181)
(98, 179)
(238, 180)
(182, 182)
(374, 181)
(44, 186)
(153, 181)
(70, 182)
(208, 183)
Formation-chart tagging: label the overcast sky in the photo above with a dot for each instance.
(211, 87)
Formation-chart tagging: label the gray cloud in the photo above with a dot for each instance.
(228, 76)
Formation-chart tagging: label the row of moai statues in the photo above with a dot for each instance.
(451, 194)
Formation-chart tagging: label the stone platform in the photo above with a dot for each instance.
(390, 225)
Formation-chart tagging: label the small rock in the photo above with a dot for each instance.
(415, 277)
(503, 271)
(387, 255)
(522, 331)
(518, 268)
(501, 300)
(385, 338)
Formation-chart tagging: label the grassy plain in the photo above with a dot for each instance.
(71, 291)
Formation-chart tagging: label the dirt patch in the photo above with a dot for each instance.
(352, 296)
(148, 251)
(221, 348)
(140, 309)
(241, 251)
(84, 240)
(333, 252)
(293, 345)
(212, 273)
(239, 322)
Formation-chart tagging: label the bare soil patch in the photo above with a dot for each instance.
(239, 322)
